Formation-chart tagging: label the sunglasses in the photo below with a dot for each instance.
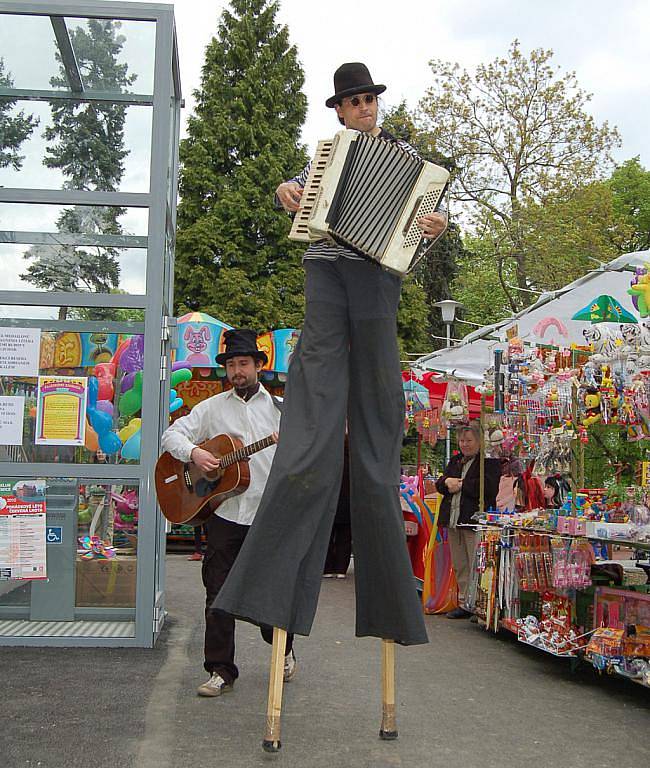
(368, 98)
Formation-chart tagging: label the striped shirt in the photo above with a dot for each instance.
(326, 248)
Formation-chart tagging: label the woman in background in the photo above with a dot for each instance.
(459, 486)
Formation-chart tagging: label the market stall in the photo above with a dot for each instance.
(564, 566)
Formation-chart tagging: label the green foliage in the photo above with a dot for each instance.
(108, 313)
(517, 131)
(630, 185)
(233, 258)
(434, 456)
(86, 143)
(436, 272)
(14, 128)
(412, 327)
(571, 232)
(479, 285)
(610, 458)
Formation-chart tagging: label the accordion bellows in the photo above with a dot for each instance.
(366, 194)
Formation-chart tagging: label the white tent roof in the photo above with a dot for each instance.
(469, 359)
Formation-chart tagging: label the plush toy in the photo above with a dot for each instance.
(592, 407)
(454, 409)
(641, 291)
(494, 434)
(553, 397)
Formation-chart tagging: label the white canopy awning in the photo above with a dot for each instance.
(537, 323)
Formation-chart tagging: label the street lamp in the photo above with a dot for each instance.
(448, 309)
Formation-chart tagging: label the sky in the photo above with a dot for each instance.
(604, 43)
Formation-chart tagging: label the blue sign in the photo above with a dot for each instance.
(54, 534)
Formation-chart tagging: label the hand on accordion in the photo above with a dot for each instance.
(289, 194)
(433, 224)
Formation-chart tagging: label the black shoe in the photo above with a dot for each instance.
(458, 613)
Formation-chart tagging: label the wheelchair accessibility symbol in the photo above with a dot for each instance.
(54, 534)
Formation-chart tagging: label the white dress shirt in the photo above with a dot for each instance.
(249, 421)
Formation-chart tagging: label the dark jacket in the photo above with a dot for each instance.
(469, 495)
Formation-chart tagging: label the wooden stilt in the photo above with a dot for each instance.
(271, 741)
(388, 728)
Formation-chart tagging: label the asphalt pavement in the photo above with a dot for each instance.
(468, 699)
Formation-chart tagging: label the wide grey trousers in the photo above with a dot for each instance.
(346, 366)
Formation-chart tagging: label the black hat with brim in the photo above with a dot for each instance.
(352, 78)
(241, 342)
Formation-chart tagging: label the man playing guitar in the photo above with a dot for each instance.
(246, 412)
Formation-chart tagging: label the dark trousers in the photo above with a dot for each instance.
(224, 542)
(339, 550)
(346, 366)
(199, 531)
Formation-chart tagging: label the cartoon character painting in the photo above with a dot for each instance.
(197, 340)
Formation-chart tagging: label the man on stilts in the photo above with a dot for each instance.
(345, 368)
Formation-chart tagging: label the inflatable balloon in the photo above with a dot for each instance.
(127, 382)
(180, 375)
(130, 429)
(92, 391)
(132, 358)
(91, 441)
(106, 406)
(105, 373)
(120, 350)
(131, 449)
(175, 404)
(110, 443)
(100, 421)
(131, 400)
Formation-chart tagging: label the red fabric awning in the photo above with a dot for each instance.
(437, 387)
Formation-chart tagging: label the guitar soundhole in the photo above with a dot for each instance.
(204, 487)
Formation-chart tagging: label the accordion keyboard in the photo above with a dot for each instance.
(299, 229)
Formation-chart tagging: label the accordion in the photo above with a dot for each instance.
(366, 194)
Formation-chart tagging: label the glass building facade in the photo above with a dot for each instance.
(89, 121)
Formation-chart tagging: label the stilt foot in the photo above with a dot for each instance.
(271, 746)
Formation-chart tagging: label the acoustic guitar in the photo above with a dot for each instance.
(188, 495)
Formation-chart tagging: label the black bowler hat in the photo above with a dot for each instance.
(241, 342)
(352, 78)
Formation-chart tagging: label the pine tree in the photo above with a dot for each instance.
(14, 129)
(233, 258)
(87, 145)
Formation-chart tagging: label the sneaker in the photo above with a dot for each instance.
(290, 666)
(329, 575)
(340, 575)
(195, 556)
(215, 686)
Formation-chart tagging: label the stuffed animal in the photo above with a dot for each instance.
(592, 407)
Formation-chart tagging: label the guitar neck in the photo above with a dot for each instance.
(248, 450)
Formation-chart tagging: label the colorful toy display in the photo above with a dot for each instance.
(115, 397)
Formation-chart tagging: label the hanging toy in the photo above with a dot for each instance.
(592, 400)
